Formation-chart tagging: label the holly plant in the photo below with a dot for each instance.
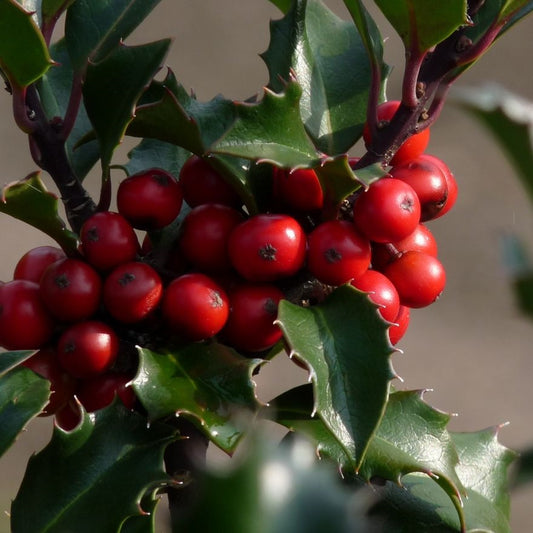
(243, 231)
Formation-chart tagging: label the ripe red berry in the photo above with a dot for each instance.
(204, 236)
(71, 290)
(337, 252)
(429, 183)
(418, 277)
(401, 323)
(195, 307)
(107, 240)
(100, 391)
(132, 291)
(267, 247)
(298, 189)
(87, 349)
(412, 147)
(202, 184)
(450, 182)
(69, 416)
(62, 385)
(381, 291)
(253, 310)
(25, 323)
(388, 211)
(34, 262)
(150, 199)
(421, 240)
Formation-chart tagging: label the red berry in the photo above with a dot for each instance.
(107, 240)
(421, 240)
(195, 306)
(412, 147)
(100, 391)
(34, 262)
(253, 310)
(62, 385)
(298, 189)
(401, 323)
(69, 416)
(150, 199)
(418, 277)
(337, 252)
(388, 211)
(429, 183)
(71, 290)
(381, 291)
(132, 291)
(204, 236)
(202, 184)
(87, 349)
(267, 247)
(450, 182)
(25, 323)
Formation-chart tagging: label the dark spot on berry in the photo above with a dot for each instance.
(270, 307)
(216, 299)
(268, 252)
(128, 277)
(92, 234)
(407, 203)
(62, 281)
(332, 255)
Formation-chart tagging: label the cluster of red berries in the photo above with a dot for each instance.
(225, 271)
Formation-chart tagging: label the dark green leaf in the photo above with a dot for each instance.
(283, 5)
(51, 9)
(54, 89)
(112, 88)
(23, 395)
(344, 343)
(208, 383)
(518, 15)
(515, 8)
(270, 130)
(510, 120)
(29, 201)
(93, 478)
(93, 29)
(421, 24)
(145, 523)
(315, 45)
(9, 360)
(24, 56)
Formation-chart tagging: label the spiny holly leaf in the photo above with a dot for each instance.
(29, 201)
(516, 9)
(483, 465)
(54, 90)
(24, 56)
(51, 9)
(422, 24)
(210, 384)
(343, 341)
(23, 395)
(273, 490)
(9, 360)
(95, 29)
(510, 119)
(113, 86)
(115, 460)
(145, 523)
(524, 8)
(270, 130)
(314, 45)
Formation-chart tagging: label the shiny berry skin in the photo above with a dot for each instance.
(202, 184)
(253, 310)
(418, 277)
(71, 290)
(381, 291)
(100, 391)
(62, 385)
(87, 349)
(388, 211)
(429, 183)
(421, 240)
(34, 262)
(450, 182)
(195, 306)
(132, 292)
(267, 247)
(400, 326)
(298, 189)
(150, 199)
(412, 147)
(69, 416)
(107, 240)
(25, 322)
(204, 236)
(337, 252)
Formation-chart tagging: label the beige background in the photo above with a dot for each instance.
(472, 347)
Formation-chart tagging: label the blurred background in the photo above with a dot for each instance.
(472, 348)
